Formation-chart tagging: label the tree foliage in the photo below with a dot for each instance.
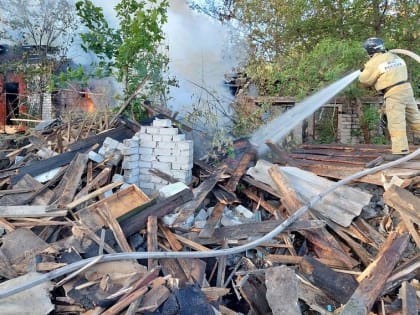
(134, 50)
(289, 36)
(44, 24)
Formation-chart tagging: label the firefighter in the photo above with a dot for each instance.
(387, 73)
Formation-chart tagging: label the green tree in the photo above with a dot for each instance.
(134, 51)
(297, 47)
(43, 30)
(281, 32)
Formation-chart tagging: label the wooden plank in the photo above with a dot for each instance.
(65, 191)
(409, 225)
(284, 259)
(221, 267)
(127, 202)
(15, 191)
(213, 294)
(315, 298)
(402, 173)
(122, 304)
(152, 242)
(172, 267)
(191, 244)
(30, 212)
(96, 193)
(253, 290)
(113, 224)
(239, 171)
(360, 251)
(136, 222)
(336, 285)
(9, 227)
(295, 260)
(154, 298)
(376, 238)
(163, 175)
(171, 238)
(27, 183)
(282, 290)
(212, 221)
(404, 202)
(200, 193)
(373, 278)
(45, 187)
(100, 180)
(284, 156)
(339, 172)
(409, 299)
(182, 267)
(405, 272)
(264, 187)
(260, 201)
(328, 159)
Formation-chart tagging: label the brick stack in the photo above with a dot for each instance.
(111, 149)
(348, 125)
(161, 147)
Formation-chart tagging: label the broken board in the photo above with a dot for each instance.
(121, 205)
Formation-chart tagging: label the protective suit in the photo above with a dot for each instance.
(388, 74)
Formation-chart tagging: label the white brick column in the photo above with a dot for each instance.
(159, 146)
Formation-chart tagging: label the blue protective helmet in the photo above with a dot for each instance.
(374, 45)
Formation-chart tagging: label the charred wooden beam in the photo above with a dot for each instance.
(163, 175)
(373, 278)
(337, 286)
(284, 157)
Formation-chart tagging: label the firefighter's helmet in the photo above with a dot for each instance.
(374, 45)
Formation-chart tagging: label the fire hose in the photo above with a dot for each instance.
(407, 53)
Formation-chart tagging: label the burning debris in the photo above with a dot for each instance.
(123, 220)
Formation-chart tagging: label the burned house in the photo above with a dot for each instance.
(13, 88)
(24, 91)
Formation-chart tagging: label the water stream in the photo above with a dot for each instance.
(282, 125)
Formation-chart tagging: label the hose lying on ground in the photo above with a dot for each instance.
(205, 254)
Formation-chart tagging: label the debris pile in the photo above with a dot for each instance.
(78, 222)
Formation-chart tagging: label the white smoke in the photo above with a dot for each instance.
(198, 57)
(197, 53)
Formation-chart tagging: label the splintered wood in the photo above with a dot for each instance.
(354, 252)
